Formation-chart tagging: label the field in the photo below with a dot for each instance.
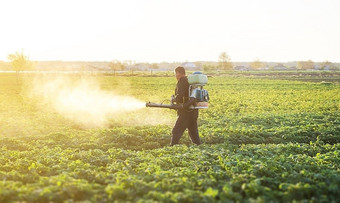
(265, 139)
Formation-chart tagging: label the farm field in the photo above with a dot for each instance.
(264, 139)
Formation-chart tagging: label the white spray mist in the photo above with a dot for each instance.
(84, 102)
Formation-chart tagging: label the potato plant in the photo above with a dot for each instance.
(264, 140)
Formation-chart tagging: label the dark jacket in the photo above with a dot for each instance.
(182, 96)
(182, 90)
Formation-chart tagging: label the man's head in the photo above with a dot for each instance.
(180, 72)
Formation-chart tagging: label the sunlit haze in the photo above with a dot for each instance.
(156, 31)
(83, 101)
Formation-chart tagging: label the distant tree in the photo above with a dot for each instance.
(20, 62)
(225, 61)
(305, 65)
(116, 66)
(327, 65)
(257, 64)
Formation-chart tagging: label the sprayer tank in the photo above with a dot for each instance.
(198, 78)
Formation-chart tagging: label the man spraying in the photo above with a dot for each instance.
(190, 96)
(187, 118)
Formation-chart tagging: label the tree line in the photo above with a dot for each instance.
(225, 64)
(20, 62)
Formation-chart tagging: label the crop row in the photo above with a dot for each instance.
(282, 172)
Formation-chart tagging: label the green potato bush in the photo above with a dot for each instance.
(264, 140)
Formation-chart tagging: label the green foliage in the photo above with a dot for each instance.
(264, 140)
(20, 62)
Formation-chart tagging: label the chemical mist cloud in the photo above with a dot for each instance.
(83, 101)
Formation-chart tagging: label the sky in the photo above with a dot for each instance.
(171, 30)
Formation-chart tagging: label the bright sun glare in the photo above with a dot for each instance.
(155, 31)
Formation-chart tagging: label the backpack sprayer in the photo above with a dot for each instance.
(198, 97)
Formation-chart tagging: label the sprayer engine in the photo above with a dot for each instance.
(198, 96)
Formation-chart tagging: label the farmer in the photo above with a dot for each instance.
(186, 118)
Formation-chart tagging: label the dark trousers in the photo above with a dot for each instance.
(186, 120)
